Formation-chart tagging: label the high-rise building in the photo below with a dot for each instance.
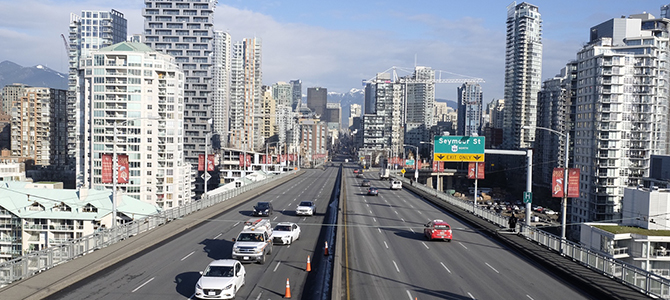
(419, 107)
(296, 93)
(136, 106)
(10, 94)
(383, 129)
(494, 131)
(621, 116)
(555, 110)
(282, 92)
(184, 29)
(221, 69)
(523, 74)
(268, 110)
(317, 97)
(246, 114)
(469, 121)
(39, 126)
(354, 111)
(89, 31)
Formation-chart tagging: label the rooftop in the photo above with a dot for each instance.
(636, 230)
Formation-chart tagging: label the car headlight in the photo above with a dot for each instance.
(228, 286)
(197, 286)
(258, 250)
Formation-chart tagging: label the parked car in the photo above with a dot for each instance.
(373, 191)
(365, 182)
(263, 209)
(221, 280)
(438, 229)
(306, 208)
(285, 233)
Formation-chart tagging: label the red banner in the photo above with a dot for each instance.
(440, 167)
(124, 173)
(241, 160)
(248, 160)
(210, 162)
(573, 182)
(419, 164)
(557, 183)
(107, 166)
(479, 172)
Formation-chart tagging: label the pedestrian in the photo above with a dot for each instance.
(512, 223)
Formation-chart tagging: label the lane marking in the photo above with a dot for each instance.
(402, 219)
(216, 237)
(446, 268)
(139, 287)
(424, 244)
(185, 257)
(370, 211)
(396, 212)
(277, 266)
(368, 205)
(259, 295)
(420, 212)
(236, 224)
(387, 246)
(275, 218)
(410, 295)
(471, 296)
(494, 269)
(396, 266)
(380, 231)
(463, 245)
(529, 297)
(412, 230)
(374, 219)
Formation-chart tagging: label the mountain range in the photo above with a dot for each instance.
(37, 76)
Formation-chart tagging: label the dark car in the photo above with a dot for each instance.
(373, 191)
(365, 182)
(263, 209)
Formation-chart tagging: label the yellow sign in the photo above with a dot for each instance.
(458, 157)
(402, 171)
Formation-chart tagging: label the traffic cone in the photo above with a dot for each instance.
(325, 249)
(287, 294)
(309, 264)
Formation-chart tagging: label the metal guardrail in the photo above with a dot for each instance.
(35, 262)
(646, 282)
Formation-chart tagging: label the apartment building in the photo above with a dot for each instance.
(383, 126)
(470, 108)
(246, 115)
(221, 68)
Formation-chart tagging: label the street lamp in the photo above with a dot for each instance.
(205, 175)
(115, 165)
(416, 162)
(564, 200)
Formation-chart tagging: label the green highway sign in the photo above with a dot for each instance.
(458, 148)
(527, 197)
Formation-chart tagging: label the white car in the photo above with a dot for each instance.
(221, 280)
(396, 185)
(285, 233)
(305, 208)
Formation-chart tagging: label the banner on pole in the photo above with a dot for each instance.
(476, 169)
(124, 174)
(107, 166)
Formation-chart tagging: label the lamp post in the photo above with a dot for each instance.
(416, 162)
(115, 164)
(205, 175)
(564, 200)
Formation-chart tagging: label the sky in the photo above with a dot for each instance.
(338, 44)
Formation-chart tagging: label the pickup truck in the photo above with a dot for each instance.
(254, 242)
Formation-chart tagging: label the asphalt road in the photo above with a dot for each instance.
(389, 257)
(170, 270)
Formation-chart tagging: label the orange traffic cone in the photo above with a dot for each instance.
(288, 290)
(309, 265)
(325, 249)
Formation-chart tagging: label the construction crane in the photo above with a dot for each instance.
(438, 77)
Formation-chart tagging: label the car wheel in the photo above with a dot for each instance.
(262, 261)
(270, 250)
(449, 240)
(291, 242)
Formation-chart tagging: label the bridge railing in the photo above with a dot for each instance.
(35, 262)
(648, 283)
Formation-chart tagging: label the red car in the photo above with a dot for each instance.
(355, 171)
(438, 229)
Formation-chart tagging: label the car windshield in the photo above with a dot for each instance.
(219, 271)
(441, 226)
(305, 203)
(250, 237)
(262, 205)
(283, 228)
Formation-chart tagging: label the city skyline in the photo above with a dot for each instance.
(443, 36)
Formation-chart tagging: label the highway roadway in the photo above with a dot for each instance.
(170, 270)
(389, 257)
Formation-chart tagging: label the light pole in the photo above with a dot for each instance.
(564, 200)
(115, 164)
(205, 175)
(416, 162)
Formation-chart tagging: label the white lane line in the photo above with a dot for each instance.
(420, 212)
(529, 297)
(152, 278)
(371, 211)
(402, 219)
(412, 230)
(424, 244)
(368, 205)
(259, 295)
(275, 218)
(277, 197)
(463, 245)
(410, 295)
(396, 266)
(385, 244)
(380, 231)
(446, 268)
(411, 206)
(396, 212)
(236, 224)
(492, 268)
(185, 257)
(471, 296)
(216, 237)
(279, 262)
(374, 219)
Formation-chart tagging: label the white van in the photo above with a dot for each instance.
(396, 185)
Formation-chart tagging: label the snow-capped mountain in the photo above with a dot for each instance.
(37, 76)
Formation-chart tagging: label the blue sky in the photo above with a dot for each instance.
(336, 44)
